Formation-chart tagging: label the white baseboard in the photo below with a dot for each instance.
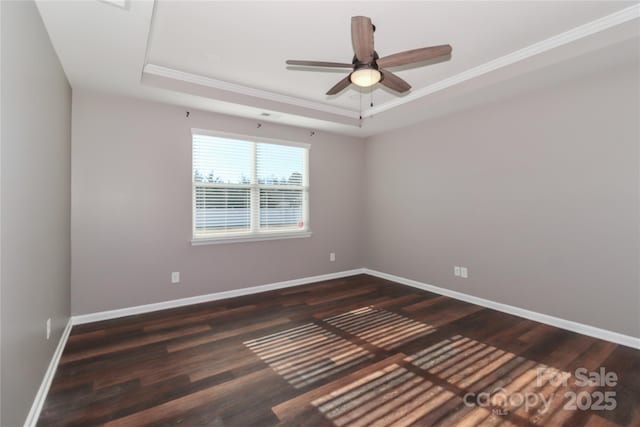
(569, 325)
(41, 395)
(147, 308)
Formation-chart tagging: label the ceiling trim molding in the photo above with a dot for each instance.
(183, 76)
(582, 31)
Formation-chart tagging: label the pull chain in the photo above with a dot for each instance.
(360, 125)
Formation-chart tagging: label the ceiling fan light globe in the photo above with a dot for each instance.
(365, 77)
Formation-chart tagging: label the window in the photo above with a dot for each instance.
(248, 190)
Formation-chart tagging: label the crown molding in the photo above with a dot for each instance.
(183, 76)
(577, 33)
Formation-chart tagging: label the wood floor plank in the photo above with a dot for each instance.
(217, 336)
(132, 343)
(189, 319)
(347, 352)
(185, 403)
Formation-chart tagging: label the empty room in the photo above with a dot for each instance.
(306, 213)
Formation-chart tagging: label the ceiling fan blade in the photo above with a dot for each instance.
(415, 55)
(319, 64)
(340, 86)
(394, 82)
(362, 38)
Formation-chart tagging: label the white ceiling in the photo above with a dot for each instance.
(230, 56)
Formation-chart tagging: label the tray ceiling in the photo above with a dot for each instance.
(230, 56)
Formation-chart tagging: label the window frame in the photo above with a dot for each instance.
(254, 233)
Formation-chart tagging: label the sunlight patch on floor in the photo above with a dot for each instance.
(381, 328)
(511, 387)
(390, 396)
(306, 354)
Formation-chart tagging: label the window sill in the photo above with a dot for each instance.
(251, 238)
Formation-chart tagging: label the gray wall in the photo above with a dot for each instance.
(35, 198)
(131, 207)
(537, 195)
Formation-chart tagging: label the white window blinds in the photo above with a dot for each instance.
(248, 188)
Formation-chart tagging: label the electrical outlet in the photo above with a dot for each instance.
(332, 256)
(175, 277)
(48, 328)
(464, 273)
(456, 271)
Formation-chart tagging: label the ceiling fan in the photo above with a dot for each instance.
(368, 68)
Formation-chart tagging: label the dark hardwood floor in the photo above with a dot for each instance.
(359, 351)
